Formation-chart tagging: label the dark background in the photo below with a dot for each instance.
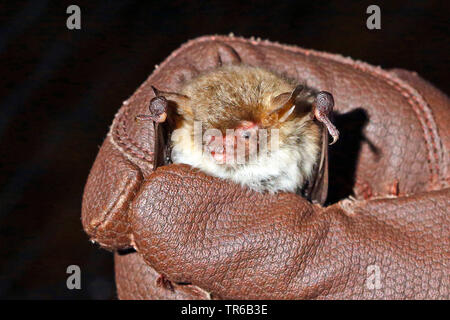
(59, 91)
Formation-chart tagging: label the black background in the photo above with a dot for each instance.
(60, 88)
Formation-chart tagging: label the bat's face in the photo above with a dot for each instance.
(248, 125)
(243, 111)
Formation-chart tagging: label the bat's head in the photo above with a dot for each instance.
(242, 110)
(249, 125)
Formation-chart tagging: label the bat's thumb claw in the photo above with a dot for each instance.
(323, 107)
(335, 139)
(142, 117)
(333, 131)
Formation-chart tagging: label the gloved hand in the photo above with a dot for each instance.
(201, 237)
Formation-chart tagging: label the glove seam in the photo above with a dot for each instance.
(120, 200)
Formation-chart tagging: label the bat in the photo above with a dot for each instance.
(277, 129)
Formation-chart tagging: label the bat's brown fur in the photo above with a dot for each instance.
(222, 99)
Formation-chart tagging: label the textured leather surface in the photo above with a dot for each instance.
(229, 242)
(138, 281)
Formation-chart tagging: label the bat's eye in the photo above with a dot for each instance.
(246, 135)
(246, 130)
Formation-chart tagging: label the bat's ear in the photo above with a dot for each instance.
(181, 100)
(284, 105)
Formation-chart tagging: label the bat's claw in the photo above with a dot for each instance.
(323, 106)
(334, 134)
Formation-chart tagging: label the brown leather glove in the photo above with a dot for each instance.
(210, 238)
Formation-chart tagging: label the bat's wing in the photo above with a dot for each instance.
(158, 144)
(316, 189)
(162, 148)
(161, 120)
